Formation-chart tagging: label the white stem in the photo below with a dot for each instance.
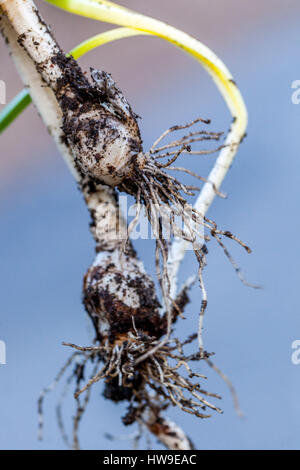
(34, 36)
(169, 433)
(42, 96)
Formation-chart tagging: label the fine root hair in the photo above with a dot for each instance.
(165, 199)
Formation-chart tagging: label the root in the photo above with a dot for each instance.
(81, 407)
(59, 411)
(163, 379)
(170, 215)
(228, 382)
(155, 373)
(154, 148)
(49, 389)
(134, 437)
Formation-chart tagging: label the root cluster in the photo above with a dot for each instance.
(171, 215)
(165, 378)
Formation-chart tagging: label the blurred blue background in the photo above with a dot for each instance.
(46, 246)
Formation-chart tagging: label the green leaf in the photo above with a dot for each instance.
(14, 108)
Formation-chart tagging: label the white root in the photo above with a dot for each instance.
(204, 201)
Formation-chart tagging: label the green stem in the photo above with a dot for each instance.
(14, 108)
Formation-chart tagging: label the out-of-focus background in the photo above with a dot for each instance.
(45, 244)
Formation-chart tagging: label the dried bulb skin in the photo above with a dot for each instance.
(98, 123)
(119, 296)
